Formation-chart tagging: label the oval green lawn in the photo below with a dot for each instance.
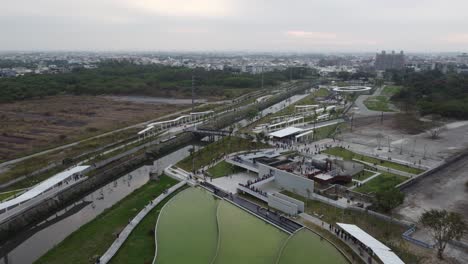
(187, 230)
(246, 239)
(307, 247)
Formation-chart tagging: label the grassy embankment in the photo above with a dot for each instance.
(308, 100)
(215, 151)
(223, 169)
(349, 155)
(289, 110)
(35, 163)
(388, 233)
(93, 239)
(328, 131)
(8, 194)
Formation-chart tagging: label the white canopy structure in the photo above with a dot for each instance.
(384, 253)
(43, 187)
(286, 132)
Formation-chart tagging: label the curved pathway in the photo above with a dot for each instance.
(107, 256)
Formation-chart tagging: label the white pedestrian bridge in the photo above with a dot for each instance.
(57, 180)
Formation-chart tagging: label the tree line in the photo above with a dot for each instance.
(127, 78)
(433, 92)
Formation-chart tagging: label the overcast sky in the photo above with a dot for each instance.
(234, 25)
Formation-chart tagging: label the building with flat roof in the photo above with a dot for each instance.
(389, 61)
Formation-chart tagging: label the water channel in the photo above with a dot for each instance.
(31, 244)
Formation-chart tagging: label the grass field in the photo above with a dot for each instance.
(378, 103)
(94, 238)
(223, 169)
(364, 175)
(384, 181)
(216, 150)
(306, 245)
(349, 155)
(390, 90)
(245, 238)
(188, 224)
(325, 132)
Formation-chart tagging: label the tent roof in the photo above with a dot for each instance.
(43, 186)
(286, 132)
(384, 253)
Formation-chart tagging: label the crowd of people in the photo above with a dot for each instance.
(250, 183)
(350, 239)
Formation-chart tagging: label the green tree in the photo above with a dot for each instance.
(388, 199)
(444, 227)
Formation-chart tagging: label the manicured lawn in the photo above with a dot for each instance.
(223, 169)
(187, 231)
(139, 246)
(349, 155)
(305, 245)
(246, 239)
(390, 90)
(378, 103)
(94, 238)
(217, 150)
(387, 233)
(364, 175)
(382, 182)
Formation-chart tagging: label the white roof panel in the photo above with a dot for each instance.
(384, 253)
(145, 130)
(43, 186)
(286, 132)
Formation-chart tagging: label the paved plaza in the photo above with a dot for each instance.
(229, 183)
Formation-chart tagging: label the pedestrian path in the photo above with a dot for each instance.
(325, 226)
(107, 256)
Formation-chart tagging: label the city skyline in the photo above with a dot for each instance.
(225, 25)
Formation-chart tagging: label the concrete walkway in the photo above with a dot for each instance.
(107, 256)
(325, 226)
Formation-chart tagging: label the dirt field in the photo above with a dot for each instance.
(405, 145)
(31, 125)
(445, 189)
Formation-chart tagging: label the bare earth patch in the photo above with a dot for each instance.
(31, 125)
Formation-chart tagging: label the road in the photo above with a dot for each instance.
(362, 110)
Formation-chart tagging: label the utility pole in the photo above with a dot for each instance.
(262, 77)
(389, 146)
(193, 93)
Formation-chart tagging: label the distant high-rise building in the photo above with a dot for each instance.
(384, 61)
(463, 58)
